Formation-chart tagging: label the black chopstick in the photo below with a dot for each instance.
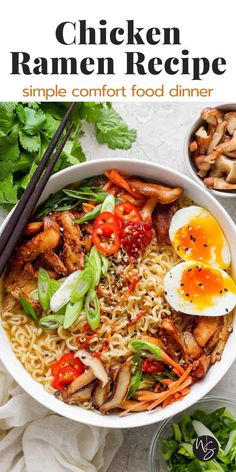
(33, 182)
(19, 224)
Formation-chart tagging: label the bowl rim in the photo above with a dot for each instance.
(139, 419)
(161, 426)
(188, 135)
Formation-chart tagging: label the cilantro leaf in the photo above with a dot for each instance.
(34, 120)
(29, 143)
(8, 191)
(73, 152)
(21, 165)
(27, 128)
(9, 148)
(113, 131)
(7, 118)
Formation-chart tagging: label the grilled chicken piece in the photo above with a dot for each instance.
(161, 219)
(224, 333)
(200, 367)
(42, 242)
(34, 227)
(173, 335)
(54, 262)
(205, 329)
(192, 348)
(73, 255)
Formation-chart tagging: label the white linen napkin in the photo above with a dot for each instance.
(33, 439)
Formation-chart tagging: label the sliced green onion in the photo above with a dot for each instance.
(73, 311)
(90, 216)
(109, 204)
(62, 296)
(94, 261)
(82, 284)
(92, 309)
(44, 288)
(105, 264)
(51, 321)
(139, 345)
(28, 309)
(54, 286)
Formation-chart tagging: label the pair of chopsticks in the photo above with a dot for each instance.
(23, 211)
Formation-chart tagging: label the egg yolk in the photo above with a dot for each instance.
(201, 240)
(201, 284)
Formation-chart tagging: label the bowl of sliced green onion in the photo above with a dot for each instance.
(173, 448)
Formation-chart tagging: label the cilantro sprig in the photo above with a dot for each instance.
(27, 128)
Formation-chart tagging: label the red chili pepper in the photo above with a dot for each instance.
(106, 233)
(127, 212)
(150, 366)
(64, 377)
(103, 218)
(66, 360)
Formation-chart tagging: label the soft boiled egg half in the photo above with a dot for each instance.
(197, 236)
(200, 289)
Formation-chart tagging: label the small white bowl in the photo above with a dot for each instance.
(203, 198)
(187, 156)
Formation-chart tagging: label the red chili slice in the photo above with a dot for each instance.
(127, 212)
(66, 360)
(103, 218)
(150, 366)
(64, 377)
(107, 238)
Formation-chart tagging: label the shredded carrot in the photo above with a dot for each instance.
(167, 359)
(172, 389)
(137, 318)
(117, 179)
(182, 378)
(167, 381)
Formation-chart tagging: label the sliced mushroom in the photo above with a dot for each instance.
(99, 394)
(80, 396)
(213, 116)
(230, 117)
(223, 165)
(149, 207)
(82, 381)
(231, 177)
(120, 390)
(217, 136)
(113, 371)
(95, 364)
(218, 183)
(222, 148)
(163, 194)
(54, 261)
(193, 146)
(192, 348)
(223, 337)
(203, 140)
(202, 165)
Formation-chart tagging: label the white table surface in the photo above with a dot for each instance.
(161, 130)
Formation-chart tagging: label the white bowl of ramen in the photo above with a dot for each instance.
(202, 198)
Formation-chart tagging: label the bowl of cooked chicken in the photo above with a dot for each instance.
(118, 303)
(210, 150)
